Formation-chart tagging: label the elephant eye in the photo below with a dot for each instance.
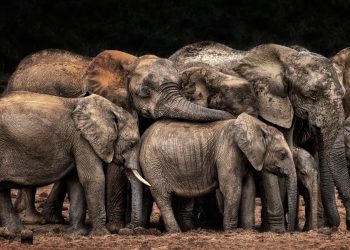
(313, 94)
(283, 155)
(131, 144)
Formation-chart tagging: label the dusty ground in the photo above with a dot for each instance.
(54, 237)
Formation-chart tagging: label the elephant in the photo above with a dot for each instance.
(191, 159)
(46, 138)
(208, 87)
(307, 175)
(289, 84)
(146, 84)
(204, 83)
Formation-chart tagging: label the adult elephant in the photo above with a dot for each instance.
(288, 83)
(146, 84)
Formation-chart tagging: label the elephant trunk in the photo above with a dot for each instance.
(136, 202)
(292, 199)
(174, 105)
(136, 188)
(311, 200)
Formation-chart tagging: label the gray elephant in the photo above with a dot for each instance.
(204, 83)
(307, 174)
(192, 159)
(45, 138)
(287, 84)
(147, 84)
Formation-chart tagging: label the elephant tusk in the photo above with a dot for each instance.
(139, 177)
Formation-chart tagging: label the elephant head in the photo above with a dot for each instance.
(341, 64)
(288, 82)
(266, 149)
(111, 131)
(148, 83)
(211, 88)
(308, 176)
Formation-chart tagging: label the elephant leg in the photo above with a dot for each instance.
(232, 197)
(25, 206)
(147, 204)
(184, 210)
(8, 216)
(116, 195)
(52, 209)
(163, 200)
(77, 206)
(247, 208)
(272, 207)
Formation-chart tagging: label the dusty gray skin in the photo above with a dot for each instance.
(208, 87)
(203, 84)
(147, 84)
(307, 174)
(289, 83)
(217, 155)
(56, 137)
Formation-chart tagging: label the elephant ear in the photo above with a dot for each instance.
(252, 137)
(96, 119)
(107, 75)
(341, 64)
(263, 67)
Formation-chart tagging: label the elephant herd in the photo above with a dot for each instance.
(224, 126)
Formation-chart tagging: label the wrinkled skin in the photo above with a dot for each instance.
(204, 169)
(207, 87)
(147, 84)
(79, 134)
(307, 173)
(289, 83)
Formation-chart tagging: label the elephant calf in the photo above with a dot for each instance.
(307, 174)
(192, 159)
(44, 138)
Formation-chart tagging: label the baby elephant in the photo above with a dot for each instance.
(307, 174)
(192, 159)
(44, 138)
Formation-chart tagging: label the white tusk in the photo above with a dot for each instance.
(139, 177)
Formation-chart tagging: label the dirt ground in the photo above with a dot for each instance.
(54, 237)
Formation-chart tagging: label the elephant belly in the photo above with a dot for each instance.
(21, 170)
(195, 189)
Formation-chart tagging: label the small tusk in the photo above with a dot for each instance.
(139, 177)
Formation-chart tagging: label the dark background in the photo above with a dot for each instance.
(162, 27)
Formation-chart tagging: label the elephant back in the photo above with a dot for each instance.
(53, 72)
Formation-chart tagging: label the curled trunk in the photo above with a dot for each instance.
(174, 105)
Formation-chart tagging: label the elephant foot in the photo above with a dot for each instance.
(126, 231)
(99, 231)
(5, 233)
(30, 217)
(77, 230)
(114, 227)
(52, 216)
(10, 229)
(187, 225)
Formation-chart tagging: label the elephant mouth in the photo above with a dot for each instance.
(119, 159)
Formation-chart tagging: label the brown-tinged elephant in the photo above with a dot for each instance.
(289, 83)
(46, 138)
(146, 84)
(191, 159)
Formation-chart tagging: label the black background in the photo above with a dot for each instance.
(161, 27)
